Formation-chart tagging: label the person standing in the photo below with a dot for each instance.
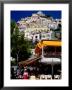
(25, 74)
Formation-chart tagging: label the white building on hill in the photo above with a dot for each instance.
(38, 26)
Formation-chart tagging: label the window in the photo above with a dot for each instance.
(35, 36)
(51, 51)
(58, 49)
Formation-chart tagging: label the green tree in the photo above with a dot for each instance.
(20, 48)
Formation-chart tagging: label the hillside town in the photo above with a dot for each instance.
(40, 27)
(44, 34)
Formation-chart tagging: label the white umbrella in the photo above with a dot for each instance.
(51, 61)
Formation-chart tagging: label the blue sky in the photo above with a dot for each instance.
(17, 15)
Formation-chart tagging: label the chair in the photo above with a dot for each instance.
(56, 76)
(32, 77)
(49, 76)
(42, 76)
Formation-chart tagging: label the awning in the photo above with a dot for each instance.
(29, 61)
(48, 43)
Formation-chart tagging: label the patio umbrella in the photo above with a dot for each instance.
(51, 61)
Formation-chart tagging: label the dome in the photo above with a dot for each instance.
(40, 13)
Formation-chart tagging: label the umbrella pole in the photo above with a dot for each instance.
(52, 70)
(42, 51)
